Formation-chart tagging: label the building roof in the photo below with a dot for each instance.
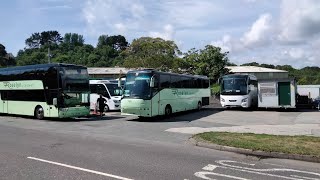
(253, 69)
(107, 70)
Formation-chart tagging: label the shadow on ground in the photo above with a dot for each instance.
(186, 116)
(81, 119)
(271, 109)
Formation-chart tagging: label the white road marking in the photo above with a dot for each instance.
(224, 163)
(308, 178)
(274, 164)
(209, 167)
(203, 175)
(80, 169)
(260, 173)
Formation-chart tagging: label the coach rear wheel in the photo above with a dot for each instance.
(39, 113)
(199, 106)
(168, 110)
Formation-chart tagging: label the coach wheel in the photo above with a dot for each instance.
(168, 110)
(199, 106)
(39, 113)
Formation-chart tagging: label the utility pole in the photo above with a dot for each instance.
(49, 55)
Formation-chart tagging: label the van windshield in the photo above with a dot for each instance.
(114, 90)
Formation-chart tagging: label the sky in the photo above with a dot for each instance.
(264, 31)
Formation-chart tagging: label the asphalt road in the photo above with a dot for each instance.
(118, 147)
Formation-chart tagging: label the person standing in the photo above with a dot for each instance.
(102, 103)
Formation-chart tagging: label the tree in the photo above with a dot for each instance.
(102, 41)
(268, 66)
(6, 59)
(73, 39)
(118, 42)
(36, 40)
(50, 37)
(3, 51)
(150, 52)
(250, 64)
(210, 62)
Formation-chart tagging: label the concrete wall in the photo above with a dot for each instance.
(312, 91)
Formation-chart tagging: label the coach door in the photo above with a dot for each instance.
(155, 96)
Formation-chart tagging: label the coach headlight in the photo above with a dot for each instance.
(222, 100)
(116, 101)
(245, 100)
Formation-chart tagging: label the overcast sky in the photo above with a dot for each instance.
(265, 31)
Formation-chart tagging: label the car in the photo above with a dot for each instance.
(316, 103)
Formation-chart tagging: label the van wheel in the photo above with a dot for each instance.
(39, 112)
(106, 108)
(168, 110)
(199, 106)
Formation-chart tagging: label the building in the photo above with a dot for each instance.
(259, 72)
(106, 72)
(276, 93)
(312, 91)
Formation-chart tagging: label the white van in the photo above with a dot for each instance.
(110, 91)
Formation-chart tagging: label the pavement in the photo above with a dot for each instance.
(275, 123)
(124, 147)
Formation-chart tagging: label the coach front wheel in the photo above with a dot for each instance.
(39, 113)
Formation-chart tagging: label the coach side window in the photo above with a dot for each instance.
(164, 81)
(175, 82)
(206, 83)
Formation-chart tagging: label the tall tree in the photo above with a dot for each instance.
(36, 40)
(102, 40)
(118, 42)
(73, 39)
(210, 62)
(150, 52)
(3, 51)
(6, 59)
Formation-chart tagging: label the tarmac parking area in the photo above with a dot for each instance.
(176, 129)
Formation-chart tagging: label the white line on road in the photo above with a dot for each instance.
(80, 169)
(209, 167)
(203, 175)
(305, 177)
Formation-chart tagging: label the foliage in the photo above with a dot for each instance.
(119, 43)
(71, 49)
(36, 40)
(6, 59)
(144, 52)
(215, 89)
(150, 52)
(306, 75)
(210, 62)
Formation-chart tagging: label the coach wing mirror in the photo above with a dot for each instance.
(119, 82)
(152, 81)
(55, 101)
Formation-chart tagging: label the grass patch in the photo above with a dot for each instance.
(303, 145)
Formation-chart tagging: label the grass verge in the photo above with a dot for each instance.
(303, 145)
